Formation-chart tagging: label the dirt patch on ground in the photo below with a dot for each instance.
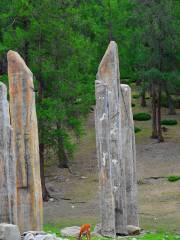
(75, 195)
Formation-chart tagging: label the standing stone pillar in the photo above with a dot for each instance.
(109, 145)
(129, 155)
(25, 136)
(8, 213)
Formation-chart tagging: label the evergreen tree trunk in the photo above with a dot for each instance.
(3, 65)
(143, 99)
(26, 42)
(160, 136)
(45, 193)
(154, 114)
(110, 22)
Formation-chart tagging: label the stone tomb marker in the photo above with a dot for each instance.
(25, 137)
(8, 206)
(113, 130)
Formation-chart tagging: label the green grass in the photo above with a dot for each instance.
(158, 236)
(142, 116)
(169, 122)
(49, 228)
(149, 236)
(173, 178)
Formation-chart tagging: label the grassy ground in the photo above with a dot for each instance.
(147, 236)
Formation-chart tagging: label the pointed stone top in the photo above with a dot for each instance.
(3, 89)
(109, 66)
(125, 87)
(16, 63)
(2, 85)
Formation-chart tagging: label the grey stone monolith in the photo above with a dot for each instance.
(109, 145)
(115, 141)
(8, 203)
(129, 155)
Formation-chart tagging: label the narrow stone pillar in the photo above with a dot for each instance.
(107, 204)
(129, 155)
(25, 137)
(109, 145)
(8, 213)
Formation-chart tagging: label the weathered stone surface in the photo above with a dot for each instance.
(8, 206)
(25, 136)
(46, 236)
(109, 145)
(97, 231)
(133, 230)
(129, 155)
(70, 231)
(9, 232)
(29, 236)
(39, 235)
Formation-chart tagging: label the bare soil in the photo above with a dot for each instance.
(75, 195)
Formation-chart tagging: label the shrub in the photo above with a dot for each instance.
(173, 178)
(136, 129)
(133, 104)
(126, 81)
(169, 122)
(142, 116)
(135, 96)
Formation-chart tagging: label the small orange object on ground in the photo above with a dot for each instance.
(85, 230)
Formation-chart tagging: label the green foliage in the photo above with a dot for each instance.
(63, 42)
(137, 129)
(133, 104)
(169, 122)
(149, 236)
(176, 101)
(173, 178)
(164, 101)
(50, 37)
(136, 96)
(142, 116)
(159, 236)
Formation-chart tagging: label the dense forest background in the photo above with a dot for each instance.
(63, 41)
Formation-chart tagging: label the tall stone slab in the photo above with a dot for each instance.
(129, 155)
(25, 137)
(8, 213)
(109, 145)
(107, 204)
